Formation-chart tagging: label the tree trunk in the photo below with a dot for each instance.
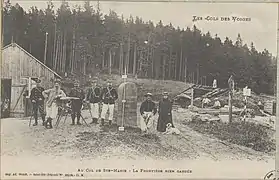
(157, 67)
(73, 52)
(103, 59)
(198, 73)
(185, 68)
(64, 52)
(180, 70)
(58, 53)
(110, 61)
(127, 65)
(135, 59)
(152, 62)
(176, 66)
(61, 53)
(170, 63)
(164, 66)
(121, 59)
(54, 47)
(55, 53)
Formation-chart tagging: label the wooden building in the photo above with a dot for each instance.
(17, 68)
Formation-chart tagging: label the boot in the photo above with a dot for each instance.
(46, 122)
(102, 122)
(78, 119)
(110, 122)
(95, 121)
(50, 123)
(73, 119)
(36, 123)
(44, 119)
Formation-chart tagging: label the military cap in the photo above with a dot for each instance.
(57, 81)
(165, 93)
(148, 94)
(38, 80)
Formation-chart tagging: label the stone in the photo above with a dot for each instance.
(128, 110)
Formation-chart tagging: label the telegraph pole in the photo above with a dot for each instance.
(231, 85)
(45, 49)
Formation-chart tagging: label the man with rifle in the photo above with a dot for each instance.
(52, 97)
(147, 110)
(109, 96)
(37, 100)
(76, 104)
(94, 98)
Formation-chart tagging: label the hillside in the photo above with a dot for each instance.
(156, 87)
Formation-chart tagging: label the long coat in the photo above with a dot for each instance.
(165, 115)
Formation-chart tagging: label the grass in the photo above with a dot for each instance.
(241, 133)
(95, 143)
(156, 87)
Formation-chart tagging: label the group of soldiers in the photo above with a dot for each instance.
(52, 97)
(95, 97)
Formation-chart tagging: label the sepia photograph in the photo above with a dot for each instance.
(136, 90)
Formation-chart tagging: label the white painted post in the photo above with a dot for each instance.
(192, 97)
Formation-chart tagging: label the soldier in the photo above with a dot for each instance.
(52, 97)
(76, 104)
(94, 98)
(147, 110)
(37, 100)
(109, 96)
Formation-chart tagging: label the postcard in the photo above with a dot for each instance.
(138, 90)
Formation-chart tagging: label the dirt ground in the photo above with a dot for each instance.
(78, 144)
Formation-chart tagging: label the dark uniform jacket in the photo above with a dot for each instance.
(36, 94)
(148, 106)
(77, 92)
(109, 95)
(94, 95)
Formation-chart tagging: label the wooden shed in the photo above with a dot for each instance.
(17, 68)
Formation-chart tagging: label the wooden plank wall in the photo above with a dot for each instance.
(16, 64)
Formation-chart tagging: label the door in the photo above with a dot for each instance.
(6, 87)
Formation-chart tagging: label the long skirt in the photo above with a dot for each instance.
(163, 120)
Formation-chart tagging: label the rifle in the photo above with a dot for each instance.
(147, 118)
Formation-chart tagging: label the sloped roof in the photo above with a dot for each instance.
(21, 48)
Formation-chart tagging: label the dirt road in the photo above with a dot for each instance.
(83, 144)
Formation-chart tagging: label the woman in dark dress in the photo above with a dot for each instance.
(165, 114)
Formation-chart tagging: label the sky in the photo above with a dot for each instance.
(260, 26)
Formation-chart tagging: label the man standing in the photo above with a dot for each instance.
(214, 85)
(109, 96)
(52, 97)
(147, 110)
(217, 104)
(76, 104)
(165, 114)
(94, 98)
(37, 100)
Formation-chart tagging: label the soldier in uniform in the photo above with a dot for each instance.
(94, 98)
(76, 104)
(109, 96)
(147, 110)
(37, 100)
(52, 97)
